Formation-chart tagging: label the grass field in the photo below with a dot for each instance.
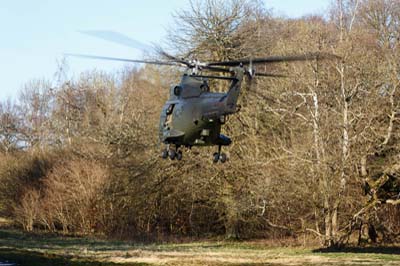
(45, 250)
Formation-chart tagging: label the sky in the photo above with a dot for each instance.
(36, 34)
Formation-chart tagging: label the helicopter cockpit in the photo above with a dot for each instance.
(189, 87)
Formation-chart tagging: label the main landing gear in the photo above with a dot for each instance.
(172, 153)
(218, 156)
(176, 153)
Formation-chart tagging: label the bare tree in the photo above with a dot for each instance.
(10, 127)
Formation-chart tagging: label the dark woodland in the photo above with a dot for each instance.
(315, 156)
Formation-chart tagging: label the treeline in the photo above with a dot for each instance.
(315, 154)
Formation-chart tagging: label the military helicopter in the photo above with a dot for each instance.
(193, 115)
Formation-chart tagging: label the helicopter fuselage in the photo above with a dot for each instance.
(193, 121)
(193, 115)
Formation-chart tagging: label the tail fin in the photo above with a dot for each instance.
(234, 90)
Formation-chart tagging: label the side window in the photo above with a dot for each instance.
(170, 109)
(168, 118)
(177, 90)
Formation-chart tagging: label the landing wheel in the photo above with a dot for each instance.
(164, 154)
(179, 155)
(223, 158)
(216, 157)
(172, 154)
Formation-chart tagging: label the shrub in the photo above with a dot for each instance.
(72, 196)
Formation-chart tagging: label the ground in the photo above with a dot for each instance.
(45, 250)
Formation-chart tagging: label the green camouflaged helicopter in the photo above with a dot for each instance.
(193, 114)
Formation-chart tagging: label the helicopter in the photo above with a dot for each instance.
(194, 115)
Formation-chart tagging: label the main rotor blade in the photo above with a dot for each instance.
(126, 60)
(216, 69)
(118, 38)
(214, 77)
(271, 75)
(274, 59)
(173, 58)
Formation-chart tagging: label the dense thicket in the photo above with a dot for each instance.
(314, 154)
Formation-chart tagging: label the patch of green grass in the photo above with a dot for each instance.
(18, 239)
(28, 258)
(387, 253)
(49, 249)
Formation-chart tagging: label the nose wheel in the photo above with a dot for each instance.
(218, 156)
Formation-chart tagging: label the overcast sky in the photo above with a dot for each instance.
(35, 34)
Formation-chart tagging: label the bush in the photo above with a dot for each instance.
(27, 212)
(72, 196)
(19, 173)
